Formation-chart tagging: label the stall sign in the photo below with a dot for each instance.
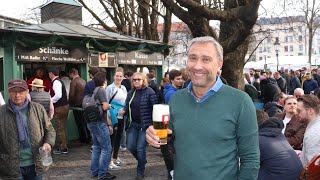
(140, 58)
(52, 54)
(102, 59)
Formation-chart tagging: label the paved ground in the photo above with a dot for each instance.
(76, 165)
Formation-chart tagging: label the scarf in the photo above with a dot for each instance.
(22, 128)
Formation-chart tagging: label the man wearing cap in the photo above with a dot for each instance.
(25, 127)
(40, 96)
(60, 103)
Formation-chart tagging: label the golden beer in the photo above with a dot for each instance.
(162, 132)
(160, 117)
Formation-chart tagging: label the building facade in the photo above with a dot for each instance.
(292, 33)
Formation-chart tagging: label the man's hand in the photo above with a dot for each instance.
(46, 147)
(152, 138)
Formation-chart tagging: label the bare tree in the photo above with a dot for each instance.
(138, 18)
(237, 18)
(310, 10)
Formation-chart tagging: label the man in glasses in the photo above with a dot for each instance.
(308, 111)
(24, 128)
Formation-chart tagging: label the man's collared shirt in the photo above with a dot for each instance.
(214, 89)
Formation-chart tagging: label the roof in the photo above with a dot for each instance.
(14, 20)
(280, 20)
(69, 2)
(73, 30)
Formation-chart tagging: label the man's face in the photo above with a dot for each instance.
(276, 76)
(18, 96)
(298, 94)
(291, 106)
(303, 113)
(40, 73)
(203, 64)
(251, 72)
(308, 76)
(51, 76)
(177, 81)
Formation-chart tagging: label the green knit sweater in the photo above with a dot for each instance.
(211, 137)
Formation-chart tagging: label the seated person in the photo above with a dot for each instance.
(293, 128)
(278, 161)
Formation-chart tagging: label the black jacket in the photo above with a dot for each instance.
(282, 84)
(278, 161)
(148, 99)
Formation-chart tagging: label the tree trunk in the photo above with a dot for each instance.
(310, 44)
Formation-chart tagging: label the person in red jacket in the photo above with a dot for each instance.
(40, 75)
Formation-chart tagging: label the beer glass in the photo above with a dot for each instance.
(46, 158)
(160, 117)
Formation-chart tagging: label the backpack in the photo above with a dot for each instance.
(92, 110)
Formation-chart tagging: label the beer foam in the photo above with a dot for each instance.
(160, 111)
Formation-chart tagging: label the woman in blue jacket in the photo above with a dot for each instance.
(278, 161)
(138, 109)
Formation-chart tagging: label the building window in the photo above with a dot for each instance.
(300, 28)
(260, 49)
(300, 38)
(285, 48)
(291, 39)
(260, 58)
(268, 40)
(286, 39)
(291, 48)
(300, 47)
(269, 49)
(290, 29)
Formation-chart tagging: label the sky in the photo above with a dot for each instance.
(19, 8)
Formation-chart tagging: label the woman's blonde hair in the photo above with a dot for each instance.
(143, 77)
(119, 69)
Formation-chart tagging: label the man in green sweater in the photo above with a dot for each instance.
(215, 127)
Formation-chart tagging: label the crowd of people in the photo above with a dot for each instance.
(215, 131)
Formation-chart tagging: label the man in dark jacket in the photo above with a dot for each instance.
(25, 127)
(276, 106)
(75, 100)
(294, 82)
(281, 82)
(277, 161)
(269, 88)
(293, 128)
(309, 85)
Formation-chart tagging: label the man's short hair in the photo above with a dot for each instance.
(205, 40)
(279, 95)
(310, 101)
(289, 97)
(62, 73)
(99, 78)
(174, 73)
(54, 71)
(93, 71)
(128, 74)
(150, 75)
(73, 71)
(256, 75)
